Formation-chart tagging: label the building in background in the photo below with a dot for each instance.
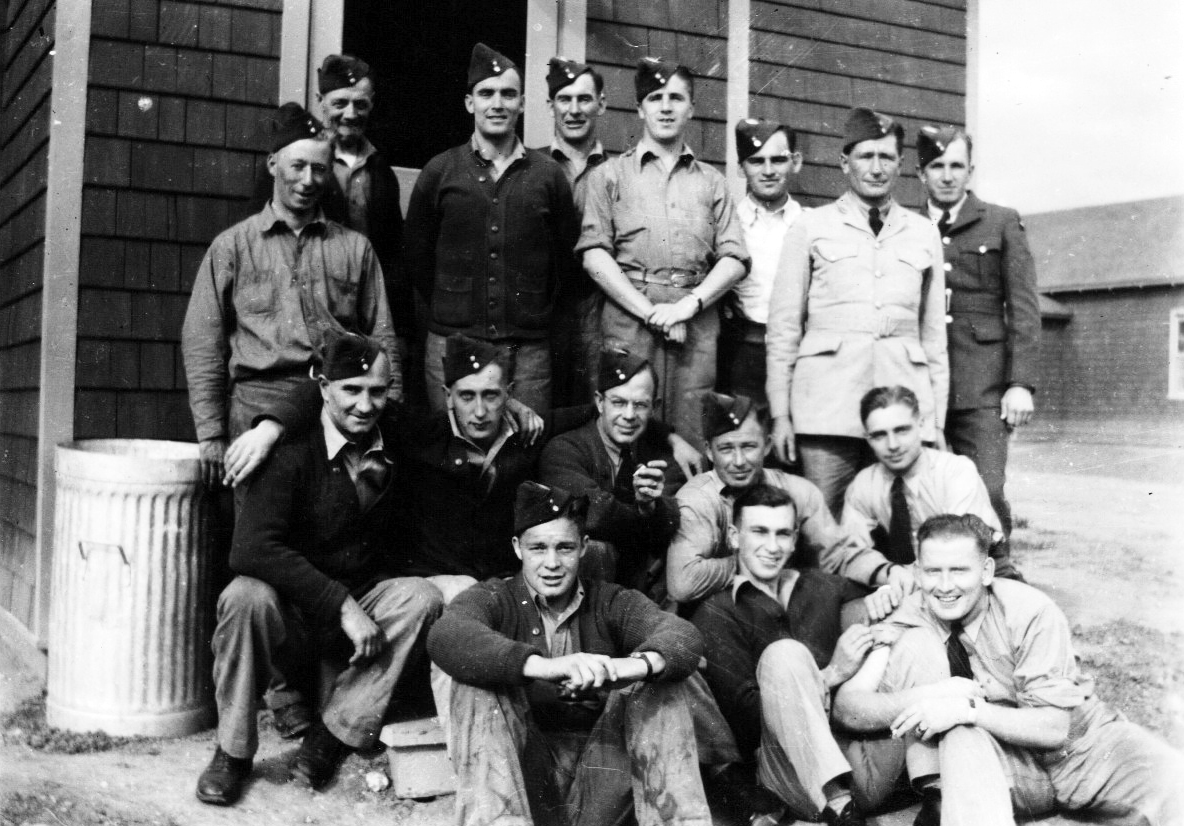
(1111, 280)
(130, 132)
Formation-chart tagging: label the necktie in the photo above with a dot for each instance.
(623, 484)
(943, 223)
(957, 655)
(900, 528)
(874, 221)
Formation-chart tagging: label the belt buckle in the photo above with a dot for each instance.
(885, 327)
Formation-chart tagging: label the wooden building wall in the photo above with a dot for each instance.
(177, 94)
(25, 70)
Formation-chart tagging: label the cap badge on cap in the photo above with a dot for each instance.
(733, 419)
(497, 67)
(621, 375)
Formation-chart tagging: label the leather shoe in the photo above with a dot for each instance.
(737, 789)
(318, 758)
(930, 813)
(850, 816)
(222, 781)
(291, 721)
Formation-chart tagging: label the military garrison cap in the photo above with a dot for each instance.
(344, 355)
(291, 123)
(868, 125)
(486, 63)
(753, 133)
(652, 74)
(617, 367)
(563, 72)
(723, 414)
(464, 356)
(537, 504)
(340, 71)
(933, 141)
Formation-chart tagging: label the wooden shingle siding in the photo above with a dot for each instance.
(691, 32)
(25, 71)
(179, 93)
(812, 61)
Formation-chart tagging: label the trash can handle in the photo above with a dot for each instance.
(85, 549)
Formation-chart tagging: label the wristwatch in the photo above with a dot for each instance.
(970, 720)
(649, 667)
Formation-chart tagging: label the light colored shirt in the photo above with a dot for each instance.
(354, 179)
(764, 233)
(563, 635)
(1021, 649)
(699, 562)
(263, 296)
(935, 210)
(577, 166)
(497, 164)
(937, 483)
(649, 218)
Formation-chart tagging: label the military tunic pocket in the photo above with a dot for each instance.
(255, 292)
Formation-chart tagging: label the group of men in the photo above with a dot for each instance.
(435, 506)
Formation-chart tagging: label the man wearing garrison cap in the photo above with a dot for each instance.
(662, 239)
(575, 93)
(313, 546)
(768, 157)
(270, 287)
(994, 324)
(570, 700)
(490, 228)
(859, 301)
(700, 561)
(621, 461)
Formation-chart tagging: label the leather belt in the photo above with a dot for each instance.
(880, 326)
(668, 276)
(985, 303)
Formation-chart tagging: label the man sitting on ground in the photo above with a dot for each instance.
(909, 483)
(985, 668)
(699, 562)
(775, 654)
(311, 550)
(569, 702)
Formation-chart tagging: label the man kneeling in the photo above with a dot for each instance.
(569, 703)
(309, 546)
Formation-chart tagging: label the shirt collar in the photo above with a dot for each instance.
(859, 204)
(935, 211)
(540, 601)
(267, 219)
(335, 440)
(509, 428)
(363, 154)
(785, 582)
(750, 211)
(562, 150)
(971, 629)
(478, 152)
(647, 150)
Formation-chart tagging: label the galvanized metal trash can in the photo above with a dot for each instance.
(130, 615)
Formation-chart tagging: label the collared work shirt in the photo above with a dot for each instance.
(261, 300)
(563, 635)
(782, 590)
(577, 167)
(699, 562)
(764, 233)
(648, 218)
(478, 456)
(354, 180)
(938, 482)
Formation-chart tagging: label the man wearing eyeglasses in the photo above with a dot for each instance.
(768, 157)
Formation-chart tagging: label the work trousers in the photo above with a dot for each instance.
(639, 757)
(258, 633)
(831, 462)
(741, 363)
(575, 349)
(685, 370)
(981, 436)
(449, 585)
(532, 372)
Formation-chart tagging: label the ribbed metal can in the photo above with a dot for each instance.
(130, 612)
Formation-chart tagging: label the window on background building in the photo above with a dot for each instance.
(419, 51)
(1176, 355)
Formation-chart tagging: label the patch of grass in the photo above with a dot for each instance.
(27, 727)
(1138, 671)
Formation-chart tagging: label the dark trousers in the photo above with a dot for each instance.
(980, 435)
(741, 359)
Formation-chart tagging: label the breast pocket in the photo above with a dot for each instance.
(916, 258)
(986, 261)
(343, 297)
(255, 292)
(452, 302)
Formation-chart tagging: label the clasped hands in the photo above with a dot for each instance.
(671, 319)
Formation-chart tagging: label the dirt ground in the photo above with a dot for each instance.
(1099, 528)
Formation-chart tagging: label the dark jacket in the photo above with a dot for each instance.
(737, 631)
(578, 462)
(450, 519)
(487, 633)
(488, 256)
(994, 338)
(302, 531)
